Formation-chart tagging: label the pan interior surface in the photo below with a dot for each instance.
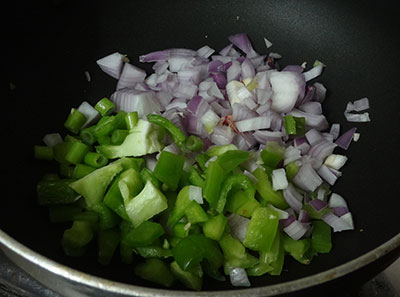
(52, 43)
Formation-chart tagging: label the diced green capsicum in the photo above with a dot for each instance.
(189, 278)
(143, 235)
(234, 182)
(55, 191)
(267, 193)
(232, 159)
(272, 154)
(261, 229)
(235, 253)
(107, 241)
(156, 271)
(169, 169)
(76, 239)
(213, 183)
(241, 203)
(321, 237)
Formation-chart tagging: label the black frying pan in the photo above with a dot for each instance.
(50, 44)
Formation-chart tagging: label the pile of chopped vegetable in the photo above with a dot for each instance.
(216, 164)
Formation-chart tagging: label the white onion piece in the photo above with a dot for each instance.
(291, 154)
(358, 105)
(238, 93)
(89, 112)
(311, 107)
(238, 277)
(320, 92)
(251, 176)
(222, 135)
(209, 119)
(238, 226)
(293, 198)
(296, 230)
(178, 63)
(313, 72)
(262, 136)
(205, 51)
(176, 104)
(253, 124)
(335, 161)
(282, 214)
(151, 162)
(196, 194)
(287, 87)
(241, 112)
(51, 139)
(130, 76)
(339, 224)
(279, 180)
(356, 136)
(313, 136)
(326, 173)
(112, 64)
(312, 120)
(307, 178)
(337, 201)
(131, 100)
(268, 43)
(185, 90)
(357, 117)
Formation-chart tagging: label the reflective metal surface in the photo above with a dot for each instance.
(70, 282)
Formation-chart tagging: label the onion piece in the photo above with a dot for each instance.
(326, 173)
(291, 154)
(335, 161)
(195, 194)
(205, 51)
(130, 76)
(132, 100)
(339, 224)
(287, 87)
(253, 124)
(313, 72)
(89, 112)
(337, 201)
(293, 198)
(238, 277)
(268, 43)
(112, 64)
(307, 178)
(345, 139)
(358, 105)
(296, 229)
(51, 139)
(242, 42)
(238, 226)
(279, 180)
(357, 117)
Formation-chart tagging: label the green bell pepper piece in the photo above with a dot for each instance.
(55, 191)
(107, 241)
(176, 133)
(213, 182)
(148, 175)
(63, 213)
(298, 249)
(169, 168)
(291, 170)
(235, 253)
(153, 251)
(76, 239)
(113, 199)
(183, 206)
(195, 177)
(94, 185)
(235, 182)
(143, 235)
(191, 250)
(241, 203)
(232, 159)
(194, 143)
(188, 278)
(321, 237)
(267, 193)
(217, 150)
(201, 160)
(156, 271)
(215, 226)
(108, 124)
(143, 139)
(148, 203)
(261, 229)
(181, 230)
(107, 218)
(272, 154)
(269, 260)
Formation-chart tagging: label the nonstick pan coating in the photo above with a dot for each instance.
(50, 44)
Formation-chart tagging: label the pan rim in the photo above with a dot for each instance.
(11, 246)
